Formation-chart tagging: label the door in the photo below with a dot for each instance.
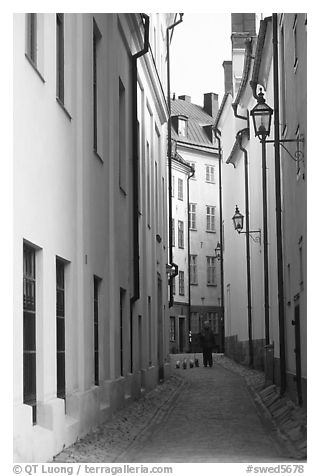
(160, 331)
(182, 331)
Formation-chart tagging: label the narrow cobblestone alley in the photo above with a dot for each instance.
(199, 415)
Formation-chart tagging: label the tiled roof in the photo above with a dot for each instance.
(197, 118)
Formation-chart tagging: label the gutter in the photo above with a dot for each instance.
(171, 263)
(239, 138)
(245, 77)
(135, 161)
(189, 284)
(258, 55)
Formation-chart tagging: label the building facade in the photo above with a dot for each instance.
(265, 308)
(90, 222)
(192, 131)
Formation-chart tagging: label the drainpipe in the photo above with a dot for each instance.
(189, 285)
(135, 161)
(278, 206)
(246, 186)
(217, 134)
(170, 160)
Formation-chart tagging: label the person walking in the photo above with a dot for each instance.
(207, 343)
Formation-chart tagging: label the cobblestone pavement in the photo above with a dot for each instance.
(198, 415)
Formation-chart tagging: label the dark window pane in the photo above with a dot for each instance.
(61, 384)
(29, 378)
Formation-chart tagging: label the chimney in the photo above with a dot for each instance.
(210, 104)
(227, 66)
(185, 98)
(243, 25)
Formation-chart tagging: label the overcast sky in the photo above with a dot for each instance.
(199, 46)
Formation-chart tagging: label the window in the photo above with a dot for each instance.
(97, 104)
(295, 42)
(122, 304)
(60, 56)
(195, 328)
(210, 173)
(213, 318)
(173, 232)
(210, 218)
(172, 328)
(180, 234)
(96, 284)
(193, 270)
(180, 189)
(192, 216)
(181, 283)
(182, 127)
(31, 49)
(29, 329)
(60, 320)
(211, 271)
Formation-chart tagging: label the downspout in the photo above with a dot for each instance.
(189, 284)
(278, 206)
(217, 134)
(135, 161)
(246, 186)
(169, 150)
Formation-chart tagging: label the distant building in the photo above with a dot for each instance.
(91, 325)
(196, 145)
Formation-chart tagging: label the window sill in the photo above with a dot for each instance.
(210, 231)
(193, 229)
(63, 107)
(194, 284)
(213, 285)
(34, 66)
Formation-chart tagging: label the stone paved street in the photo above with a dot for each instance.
(198, 415)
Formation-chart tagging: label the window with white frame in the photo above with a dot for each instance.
(180, 189)
(211, 271)
(192, 216)
(173, 232)
(172, 186)
(210, 218)
(210, 173)
(180, 234)
(181, 283)
(193, 269)
(182, 127)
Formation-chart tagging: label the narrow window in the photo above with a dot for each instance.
(192, 216)
(32, 37)
(122, 304)
(60, 321)
(180, 189)
(181, 283)
(96, 284)
(60, 56)
(193, 270)
(122, 137)
(180, 234)
(182, 127)
(150, 330)
(210, 219)
(29, 330)
(96, 89)
(211, 271)
(173, 232)
(209, 173)
(172, 328)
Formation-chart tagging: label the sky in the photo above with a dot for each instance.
(199, 46)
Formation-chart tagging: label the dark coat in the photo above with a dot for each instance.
(207, 339)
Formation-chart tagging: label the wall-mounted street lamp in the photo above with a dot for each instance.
(217, 251)
(238, 226)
